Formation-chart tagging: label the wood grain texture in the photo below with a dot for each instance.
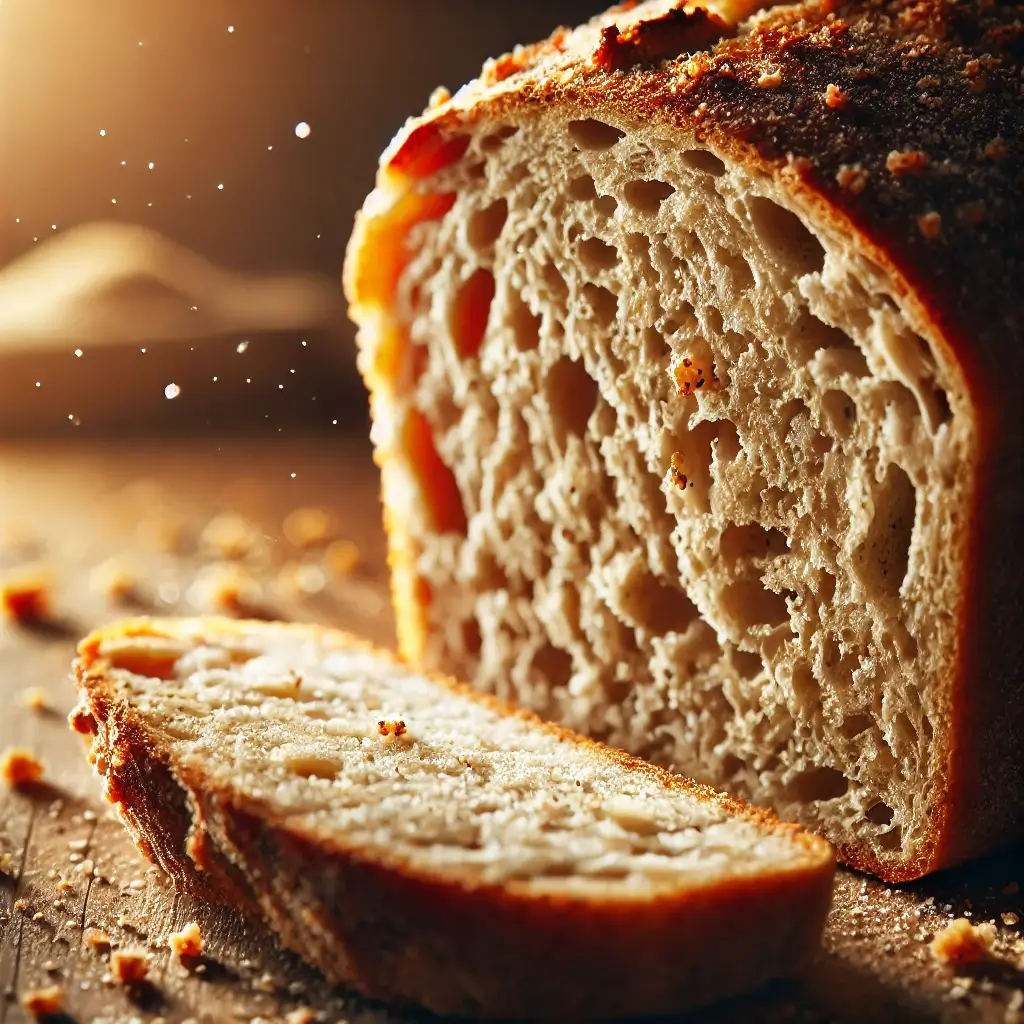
(71, 508)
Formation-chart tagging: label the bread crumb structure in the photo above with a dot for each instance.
(129, 966)
(795, 211)
(188, 942)
(25, 597)
(20, 767)
(961, 942)
(44, 1002)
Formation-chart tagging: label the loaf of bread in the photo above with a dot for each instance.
(425, 844)
(694, 348)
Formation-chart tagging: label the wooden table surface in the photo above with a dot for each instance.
(70, 508)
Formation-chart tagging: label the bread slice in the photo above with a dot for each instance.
(695, 353)
(425, 844)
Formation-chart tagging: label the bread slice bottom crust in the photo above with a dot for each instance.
(463, 948)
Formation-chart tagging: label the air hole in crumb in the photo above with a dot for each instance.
(525, 325)
(655, 347)
(572, 395)
(647, 196)
(694, 453)
(607, 420)
(882, 558)
(880, 814)
(603, 303)
(470, 312)
(553, 665)
(751, 541)
(704, 160)
(785, 236)
(472, 640)
(747, 665)
(854, 725)
(817, 784)
(557, 288)
(841, 412)
(440, 491)
(749, 603)
(606, 206)
(597, 255)
(582, 188)
(491, 142)
(742, 277)
(891, 840)
(485, 225)
(593, 134)
(805, 688)
(653, 605)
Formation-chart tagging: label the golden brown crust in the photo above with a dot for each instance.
(819, 96)
(469, 949)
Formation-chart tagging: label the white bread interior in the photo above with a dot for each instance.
(782, 625)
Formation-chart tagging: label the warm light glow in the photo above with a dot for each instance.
(302, 130)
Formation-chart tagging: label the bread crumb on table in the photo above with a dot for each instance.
(341, 557)
(19, 767)
(303, 1015)
(25, 597)
(835, 98)
(308, 527)
(35, 698)
(97, 939)
(114, 580)
(188, 942)
(961, 942)
(128, 966)
(43, 1001)
(930, 225)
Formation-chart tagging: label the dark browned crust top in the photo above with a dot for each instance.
(942, 78)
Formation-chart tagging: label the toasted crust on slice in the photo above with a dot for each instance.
(413, 924)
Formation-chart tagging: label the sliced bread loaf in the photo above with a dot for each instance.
(695, 351)
(425, 844)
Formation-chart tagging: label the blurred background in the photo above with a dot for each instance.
(245, 134)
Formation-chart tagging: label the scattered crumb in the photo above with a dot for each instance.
(51, 966)
(675, 470)
(303, 1015)
(769, 79)
(341, 557)
(297, 579)
(230, 535)
(225, 587)
(264, 983)
(961, 942)
(128, 966)
(852, 177)
(391, 730)
(692, 375)
(19, 767)
(909, 161)
(996, 149)
(43, 1001)
(162, 531)
(1010, 918)
(35, 698)
(86, 867)
(930, 225)
(188, 942)
(25, 597)
(114, 580)
(97, 940)
(835, 98)
(308, 527)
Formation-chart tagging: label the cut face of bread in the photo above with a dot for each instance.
(377, 816)
(670, 454)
